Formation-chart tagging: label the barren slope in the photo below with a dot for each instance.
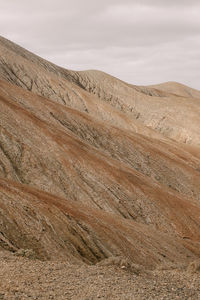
(178, 89)
(166, 113)
(163, 161)
(32, 73)
(121, 104)
(57, 228)
(82, 179)
(60, 161)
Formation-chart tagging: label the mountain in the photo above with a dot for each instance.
(92, 167)
(177, 89)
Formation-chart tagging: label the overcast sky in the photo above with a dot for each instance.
(142, 42)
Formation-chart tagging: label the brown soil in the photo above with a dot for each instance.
(22, 279)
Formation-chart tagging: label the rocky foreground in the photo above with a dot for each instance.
(22, 278)
(99, 184)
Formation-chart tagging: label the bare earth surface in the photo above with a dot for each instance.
(21, 278)
(99, 184)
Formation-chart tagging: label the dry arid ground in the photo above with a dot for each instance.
(99, 184)
(23, 278)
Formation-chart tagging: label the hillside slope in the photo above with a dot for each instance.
(92, 167)
(178, 89)
(166, 113)
(119, 103)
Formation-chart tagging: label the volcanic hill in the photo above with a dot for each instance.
(93, 168)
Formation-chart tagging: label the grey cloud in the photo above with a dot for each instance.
(144, 41)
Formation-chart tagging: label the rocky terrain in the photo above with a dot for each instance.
(22, 278)
(99, 184)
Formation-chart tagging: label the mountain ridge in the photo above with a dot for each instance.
(104, 167)
(128, 101)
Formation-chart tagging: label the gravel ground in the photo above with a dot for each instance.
(22, 278)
